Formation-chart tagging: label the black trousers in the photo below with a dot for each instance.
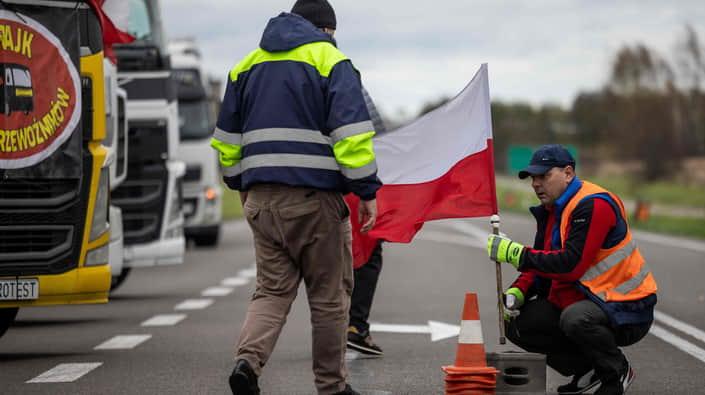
(363, 294)
(575, 340)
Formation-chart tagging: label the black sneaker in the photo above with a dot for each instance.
(362, 342)
(580, 384)
(347, 391)
(243, 380)
(619, 387)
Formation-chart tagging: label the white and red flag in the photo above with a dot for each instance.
(439, 166)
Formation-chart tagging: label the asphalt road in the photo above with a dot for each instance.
(108, 349)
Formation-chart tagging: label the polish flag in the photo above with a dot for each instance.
(439, 166)
(113, 16)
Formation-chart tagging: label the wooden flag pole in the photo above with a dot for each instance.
(495, 221)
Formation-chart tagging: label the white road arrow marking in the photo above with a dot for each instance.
(437, 330)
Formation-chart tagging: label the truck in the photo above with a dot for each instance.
(151, 196)
(116, 143)
(197, 114)
(54, 182)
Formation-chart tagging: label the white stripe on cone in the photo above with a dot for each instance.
(470, 332)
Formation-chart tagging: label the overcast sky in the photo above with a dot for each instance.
(413, 51)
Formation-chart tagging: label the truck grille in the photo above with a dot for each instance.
(33, 194)
(32, 247)
(193, 173)
(41, 224)
(142, 196)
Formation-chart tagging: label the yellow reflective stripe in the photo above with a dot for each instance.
(229, 154)
(355, 151)
(321, 55)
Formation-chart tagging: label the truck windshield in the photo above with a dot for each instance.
(195, 120)
(139, 24)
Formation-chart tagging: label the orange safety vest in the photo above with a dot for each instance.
(617, 274)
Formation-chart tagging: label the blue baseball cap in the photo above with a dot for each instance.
(546, 158)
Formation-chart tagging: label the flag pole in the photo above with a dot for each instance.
(495, 221)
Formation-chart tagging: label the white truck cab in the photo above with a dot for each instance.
(197, 114)
(151, 196)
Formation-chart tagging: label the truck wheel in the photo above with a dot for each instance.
(119, 279)
(208, 239)
(7, 317)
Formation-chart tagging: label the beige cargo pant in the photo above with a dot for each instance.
(300, 233)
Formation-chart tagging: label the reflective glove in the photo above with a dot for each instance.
(502, 249)
(513, 300)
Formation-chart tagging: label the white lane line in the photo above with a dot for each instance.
(475, 232)
(449, 238)
(235, 282)
(217, 291)
(670, 241)
(679, 343)
(123, 342)
(194, 304)
(164, 320)
(680, 325)
(65, 373)
(250, 272)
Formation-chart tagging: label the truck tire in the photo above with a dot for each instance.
(7, 317)
(118, 280)
(208, 239)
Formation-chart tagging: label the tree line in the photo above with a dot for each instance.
(651, 110)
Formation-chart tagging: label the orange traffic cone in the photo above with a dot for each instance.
(470, 375)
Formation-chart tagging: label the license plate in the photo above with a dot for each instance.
(19, 289)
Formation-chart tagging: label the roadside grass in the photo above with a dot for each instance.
(655, 192)
(519, 201)
(232, 209)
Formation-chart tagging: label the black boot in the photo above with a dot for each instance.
(243, 380)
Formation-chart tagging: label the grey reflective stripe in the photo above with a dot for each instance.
(290, 160)
(634, 282)
(285, 134)
(495, 246)
(608, 263)
(226, 137)
(351, 130)
(361, 172)
(231, 171)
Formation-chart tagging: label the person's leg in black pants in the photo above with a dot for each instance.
(586, 324)
(366, 278)
(537, 329)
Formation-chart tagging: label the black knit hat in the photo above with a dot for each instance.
(318, 12)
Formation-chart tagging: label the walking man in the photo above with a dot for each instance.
(293, 136)
(584, 289)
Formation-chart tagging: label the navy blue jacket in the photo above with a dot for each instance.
(294, 114)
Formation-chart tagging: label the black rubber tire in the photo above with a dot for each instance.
(118, 280)
(209, 239)
(7, 317)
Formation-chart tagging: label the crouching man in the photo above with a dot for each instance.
(584, 289)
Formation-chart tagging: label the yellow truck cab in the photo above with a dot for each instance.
(54, 182)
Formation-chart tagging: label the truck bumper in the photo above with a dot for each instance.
(83, 285)
(161, 252)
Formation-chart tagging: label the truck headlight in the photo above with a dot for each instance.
(100, 211)
(98, 256)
